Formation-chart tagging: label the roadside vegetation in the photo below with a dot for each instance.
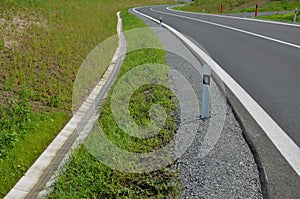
(42, 45)
(213, 6)
(289, 17)
(86, 177)
(237, 6)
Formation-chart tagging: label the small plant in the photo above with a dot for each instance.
(15, 122)
(26, 93)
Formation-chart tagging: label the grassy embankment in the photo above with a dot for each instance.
(85, 177)
(283, 5)
(42, 45)
(281, 17)
(237, 6)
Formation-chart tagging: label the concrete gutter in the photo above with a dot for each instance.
(39, 178)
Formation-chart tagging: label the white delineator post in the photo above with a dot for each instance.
(160, 21)
(206, 92)
(295, 15)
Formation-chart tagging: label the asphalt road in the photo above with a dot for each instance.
(267, 67)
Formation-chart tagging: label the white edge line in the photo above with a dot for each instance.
(286, 146)
(241, 18)
(231, 28)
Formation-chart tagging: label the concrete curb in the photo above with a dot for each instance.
(39, 178)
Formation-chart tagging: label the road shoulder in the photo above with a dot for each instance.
(229, 169)
(277, 176)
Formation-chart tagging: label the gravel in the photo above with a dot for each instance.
(218, 163)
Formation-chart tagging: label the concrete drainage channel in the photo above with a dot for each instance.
(41, 175)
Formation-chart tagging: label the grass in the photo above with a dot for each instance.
(42, 45)
(273, 6)
(280, 5)
(213, 6)
(27, 149)
(86, 177)
(237, 6)
(281, 17)
(16, 122)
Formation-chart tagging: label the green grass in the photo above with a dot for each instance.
(281, 17)
(86, 177)
(280, 5)
(42, 45)
(16, 121)
(272, 6)
(46, 57)
(236, 6)
(213, 6)
(28, 147)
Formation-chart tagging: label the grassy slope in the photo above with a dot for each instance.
(213, 6)
(281, 17)
(42, 45)
(85, 177)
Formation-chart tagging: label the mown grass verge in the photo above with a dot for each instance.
(238, 6)
(86, 177)
(42, 46)
(281, 17)
(213, 6)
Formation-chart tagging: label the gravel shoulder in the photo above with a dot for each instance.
(218, 163)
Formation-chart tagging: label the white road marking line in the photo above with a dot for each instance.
(231, 28)
(241, 18)
(286, 146)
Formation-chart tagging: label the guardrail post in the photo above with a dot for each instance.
(205, 92)
(256, 10)
(295, 15)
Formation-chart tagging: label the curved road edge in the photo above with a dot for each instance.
(277, 156)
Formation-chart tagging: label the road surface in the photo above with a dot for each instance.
(264, 59)
(267, 68)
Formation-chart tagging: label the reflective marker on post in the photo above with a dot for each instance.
(160, 21)
(295, 15)
(205, 92)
